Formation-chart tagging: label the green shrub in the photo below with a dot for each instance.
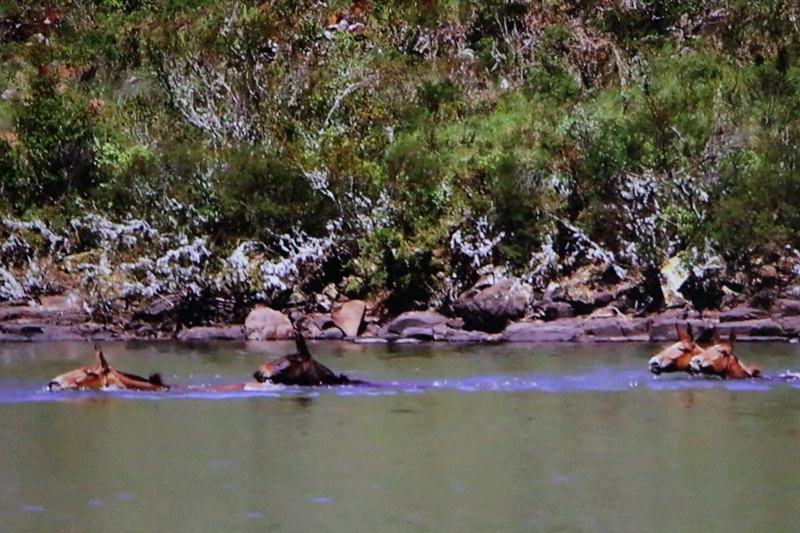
(13, 180)
(56, 133)
(263, 195)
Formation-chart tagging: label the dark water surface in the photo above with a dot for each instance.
(507, 438)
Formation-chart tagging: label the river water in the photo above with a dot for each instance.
(501, 438)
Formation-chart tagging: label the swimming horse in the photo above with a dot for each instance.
(301, 369)
(102, 376)
(718, 360)
(676, 357)
(297, 369)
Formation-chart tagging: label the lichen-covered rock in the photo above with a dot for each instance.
(265, 323)
(492, 308)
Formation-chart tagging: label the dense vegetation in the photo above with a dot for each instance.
(262, 151)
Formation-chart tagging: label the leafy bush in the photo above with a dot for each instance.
(57, 136)
(263, 195)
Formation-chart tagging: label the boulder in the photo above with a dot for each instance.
(674, 274)
(616, 329)
(39, 331)
(419, 333)
(450, 334)
(791, 325)
(764, 329)
(561, 331)
(209, 333)
(415, 319)
(63, 310)
(492, 308)
(348, 317)
(265, 323)
(557, 310)
(742, 314)
(662, 328)
(787, 308)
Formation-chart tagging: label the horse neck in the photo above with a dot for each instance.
(735, 369)
(135, 383)
(683, 361)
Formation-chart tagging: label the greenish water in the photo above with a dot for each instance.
(505, 438)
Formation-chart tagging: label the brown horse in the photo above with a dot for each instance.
(101, 376)
(718, 360)
(300, 369)
(676, 357)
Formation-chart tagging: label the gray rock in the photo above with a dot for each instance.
(791, 325)
(50, 309)
(415, 319)
(764, 329)
(264, 323)
(38, 331)
(333, 334)
(492, 308)
(662, 328)
(208, 333)
(741, 314)
(557, 310)
(348, 317)
(449, 334)
(561, 331)
(419, 333)
(787, 308)
(616, 329)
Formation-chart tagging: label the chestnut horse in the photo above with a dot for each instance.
(678, 356)
(300, 369)
(102, 376)
(718, 360)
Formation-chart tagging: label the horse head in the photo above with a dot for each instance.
(102, 376)
(676, 357)
(718, 360)
(299, 369)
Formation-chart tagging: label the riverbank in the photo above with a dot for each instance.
(63, 318)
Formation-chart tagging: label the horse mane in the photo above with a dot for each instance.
(153, 379)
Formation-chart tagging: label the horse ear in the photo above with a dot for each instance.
(732, 337)
(302, 347)
(689, 332)
(99, 354)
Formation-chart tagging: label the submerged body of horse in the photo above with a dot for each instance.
(102, 377)
(298, 369)
(301, 369)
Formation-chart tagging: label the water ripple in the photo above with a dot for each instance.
(600, 379)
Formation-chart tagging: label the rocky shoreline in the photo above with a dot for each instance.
(62, 318)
